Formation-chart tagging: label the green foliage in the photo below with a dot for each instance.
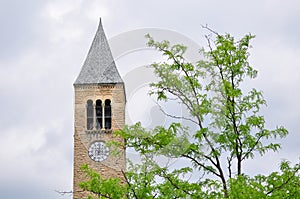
(277, 185)
(227, 130)
(169, 141)
(102, 188)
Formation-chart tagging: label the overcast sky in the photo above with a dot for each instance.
(43, 45)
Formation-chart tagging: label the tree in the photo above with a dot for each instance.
(227, 130)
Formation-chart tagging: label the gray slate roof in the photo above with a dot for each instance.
(99, 66)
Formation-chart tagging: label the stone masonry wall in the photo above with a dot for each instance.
(113, 165)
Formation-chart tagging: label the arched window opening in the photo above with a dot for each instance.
(89, 115)
(107, 114)
(99, 116)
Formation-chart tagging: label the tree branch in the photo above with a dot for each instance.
(200, 164)
(175, 117)
(210, 30)
(129, 185)
(252, 148)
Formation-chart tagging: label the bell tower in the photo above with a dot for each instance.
(99, 111)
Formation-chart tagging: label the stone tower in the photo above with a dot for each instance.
(99, 110)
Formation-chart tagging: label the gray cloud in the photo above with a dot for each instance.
(44, 43)
(18, 21)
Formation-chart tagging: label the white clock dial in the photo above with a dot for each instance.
(98, 151)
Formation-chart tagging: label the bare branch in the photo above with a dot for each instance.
(173, 116)
(206, 27)
(201, 164)
(229, 161)
(252, 148)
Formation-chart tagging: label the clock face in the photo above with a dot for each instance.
(98, 151)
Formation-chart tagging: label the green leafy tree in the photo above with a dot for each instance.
(228, 129)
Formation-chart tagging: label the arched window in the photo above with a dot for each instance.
(107, 114)
(99, 116)
(89, 115)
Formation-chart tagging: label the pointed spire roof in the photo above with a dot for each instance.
(99, 66)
